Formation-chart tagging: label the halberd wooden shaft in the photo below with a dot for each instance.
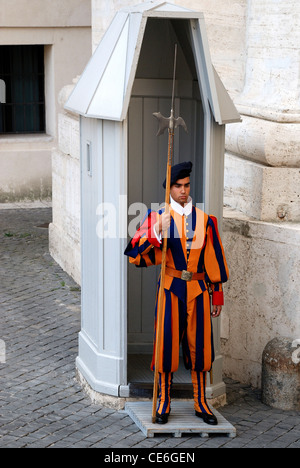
(171, 123)
(159, 315)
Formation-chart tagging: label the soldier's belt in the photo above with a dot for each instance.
(185, 275)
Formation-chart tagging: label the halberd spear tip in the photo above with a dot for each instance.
(170, 122)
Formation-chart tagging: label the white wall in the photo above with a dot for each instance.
(64, 231)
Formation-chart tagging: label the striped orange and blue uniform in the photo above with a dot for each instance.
(194, 245)
(199, 387)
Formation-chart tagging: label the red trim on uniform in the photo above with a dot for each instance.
(218, 298)
(146, 230)
(215, 221)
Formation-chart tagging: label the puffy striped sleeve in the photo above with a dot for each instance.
(144, 249)
(215, 262)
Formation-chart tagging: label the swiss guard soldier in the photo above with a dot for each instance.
(195, 266)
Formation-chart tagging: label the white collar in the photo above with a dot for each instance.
(182, 210)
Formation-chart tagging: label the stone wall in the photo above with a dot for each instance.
(262, 296)
(65, 228)
(262, 182)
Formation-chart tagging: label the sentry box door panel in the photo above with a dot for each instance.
(147, 156)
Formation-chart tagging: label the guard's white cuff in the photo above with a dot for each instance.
(158, 237)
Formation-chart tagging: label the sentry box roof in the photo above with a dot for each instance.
(104, 89)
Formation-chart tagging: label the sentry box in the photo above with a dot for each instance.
(123, 162)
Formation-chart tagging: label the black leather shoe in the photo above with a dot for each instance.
(162, 418)
(207, 418)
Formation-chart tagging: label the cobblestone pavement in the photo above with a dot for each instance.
(41, 403)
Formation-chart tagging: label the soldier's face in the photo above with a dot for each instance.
(180, 191)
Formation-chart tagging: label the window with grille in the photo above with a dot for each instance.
(22, 89)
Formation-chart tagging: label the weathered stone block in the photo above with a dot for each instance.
(280, 375)
(262, 297)
(265, 193)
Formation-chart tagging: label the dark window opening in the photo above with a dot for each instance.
(22, 89)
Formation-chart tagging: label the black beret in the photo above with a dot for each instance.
(180, 171)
